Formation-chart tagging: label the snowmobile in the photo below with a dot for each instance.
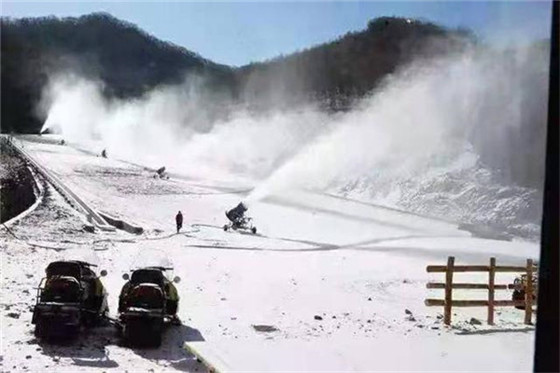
(520, 283)
(71, 295)
(238, 219)
(147, 302)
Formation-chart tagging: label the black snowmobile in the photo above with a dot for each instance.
(238, 219)
(147, 302)
(71, 295)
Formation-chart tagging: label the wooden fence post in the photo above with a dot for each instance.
(448, 290)
(491, 277)
(529, 292)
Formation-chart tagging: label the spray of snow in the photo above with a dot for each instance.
(173, 126)
(426, 117)
(430, 115)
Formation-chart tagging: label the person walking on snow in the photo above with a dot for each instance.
(179, 221)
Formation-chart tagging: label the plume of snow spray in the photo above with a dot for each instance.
(425, 116)
(173, 126)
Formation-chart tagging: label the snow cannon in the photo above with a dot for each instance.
(238, 219)
(237, 213)
(160, 172)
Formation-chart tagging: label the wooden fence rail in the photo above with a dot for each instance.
(491, 286)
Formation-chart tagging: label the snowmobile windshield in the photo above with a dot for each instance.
(61, 289)
(151, 276)
(155, 259)
(71, 269)
(80, 255)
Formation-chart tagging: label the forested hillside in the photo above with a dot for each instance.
(127, 60)
(339, 71)
(130, 62)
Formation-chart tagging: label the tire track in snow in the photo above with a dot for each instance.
(344, 215)
(319, 246)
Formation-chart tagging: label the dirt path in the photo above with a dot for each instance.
(16, 184)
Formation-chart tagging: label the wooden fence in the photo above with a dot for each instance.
(491, 286)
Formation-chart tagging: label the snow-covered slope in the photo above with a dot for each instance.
(332, 278)
(459, 189)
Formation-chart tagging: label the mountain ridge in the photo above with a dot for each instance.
(130, 62)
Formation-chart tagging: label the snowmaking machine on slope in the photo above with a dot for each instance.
(238, 220)
(71, 295)
(147, 302)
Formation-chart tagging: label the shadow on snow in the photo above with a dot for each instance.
(89, 348)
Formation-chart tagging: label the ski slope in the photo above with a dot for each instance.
(356, 266)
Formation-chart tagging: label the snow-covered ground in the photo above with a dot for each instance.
(358, 268)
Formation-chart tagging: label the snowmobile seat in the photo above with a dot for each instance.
(146, 296)
(61, 289)
(70, 269)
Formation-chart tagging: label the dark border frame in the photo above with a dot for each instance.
(546, 347)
